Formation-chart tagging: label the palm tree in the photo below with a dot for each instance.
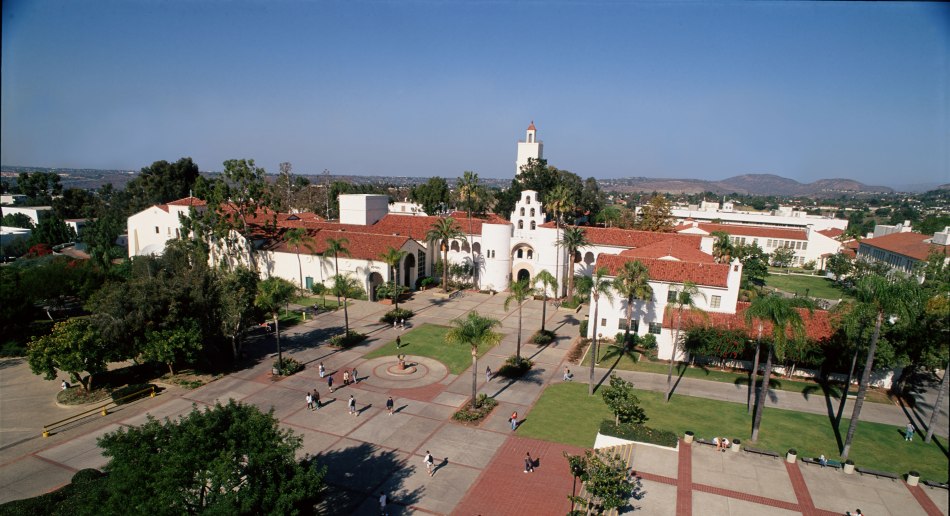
(547, 281)
(470, 192)
(336, 247)
(939, 403)
(474, 330)
(599, 285)
(754, 375)
(853, 325)
(682, 301)
(521, 291)
(633, 282)
(444, 231)
(722, 247)
(574, 238)
(782, 314)
(558, 200)
(295, 238)
(272, 294)
(345, 287)
(886, 297)
(392, 257)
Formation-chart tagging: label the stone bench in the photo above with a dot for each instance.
(762, 452)
(876, 473)
(938, 485)
(829, 463)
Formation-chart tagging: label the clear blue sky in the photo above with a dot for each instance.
(422, 88)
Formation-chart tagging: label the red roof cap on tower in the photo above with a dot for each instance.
(531, 127)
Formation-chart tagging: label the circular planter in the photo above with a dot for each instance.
(688, 437)
(913, 478)
(791, 456)
(736, 446)
(849, 467)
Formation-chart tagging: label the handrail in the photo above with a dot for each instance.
(102, 408)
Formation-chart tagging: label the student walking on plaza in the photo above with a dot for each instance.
(323, 370)
(528, 463)
(487, 373)
(352, 405)
(389, 405)
(513, 420)
(346, 377)
(316, 398)
(355, 376)
(909, 432)
(429, 462)
(309, 401)
(330, 382)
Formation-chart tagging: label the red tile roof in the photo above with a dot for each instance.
(675, 248)
(617, 237)
(364, 246)
(912, 245)
(709, 274)
(531, 127)
(818, 325)
(750, 231)
(188, 201)
(832, 232)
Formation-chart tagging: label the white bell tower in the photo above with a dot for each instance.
(531, 147)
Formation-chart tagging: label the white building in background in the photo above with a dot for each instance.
(785, 216)
(150, 229)
(530, 148)
(808, 245)
(35, 213)
(406, 207)
(904, 250)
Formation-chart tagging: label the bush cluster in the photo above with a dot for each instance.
(543, 337)
(470, 414)
(124, 395)
(515, 367)
(396, 314)
(639, 433)
(287, 366)
(583, 328)
(346, 340)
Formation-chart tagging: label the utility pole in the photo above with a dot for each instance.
(326, 185)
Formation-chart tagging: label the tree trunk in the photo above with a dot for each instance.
(593, 349)
(754, 375)
(939, 403)
(847, 386)
(346, 317)
(763, 393)
(471, 248)
(863, 386)
(300, 269)
(445, 268)
(474, 376)
(626, 333)
(518, 349)
(280, 355)
(544, 308)
(557, 256)
(336, 272)
(676, 338)
(171, 368)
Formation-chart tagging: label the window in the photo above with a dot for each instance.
(804, 246)
(530, 254)
(655, 328)
(532, 212)
(671, 296)
(521, 222)
(603, 322)
(715, 302)
(534, 224)
(156, 230)
(634, 325)
(529, 201)
(520, 253)
(522, 212)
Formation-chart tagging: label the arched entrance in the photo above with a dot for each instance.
(523, 275)
(407, 265)
(375, 280)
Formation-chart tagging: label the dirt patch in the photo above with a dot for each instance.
(577, 350)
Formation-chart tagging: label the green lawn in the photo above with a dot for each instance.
(816, 286)
(329, 302)
(428, 340)
(566, 414)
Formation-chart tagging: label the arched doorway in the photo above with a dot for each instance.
(524, 275)
(407, 265)
(375, 280)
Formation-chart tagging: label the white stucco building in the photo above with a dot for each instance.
(150, 229)
(785, 216)
(808, 244)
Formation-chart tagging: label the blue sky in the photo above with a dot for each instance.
(422, 88)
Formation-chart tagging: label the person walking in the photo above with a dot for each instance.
(346, 377)
(323, 370)
(398, 342)
(352, 406)
(487, 373)
(355, 376)
(309, 401)
(316, 398)
(513, 420)
(528, 463)
(429, 462)
(909, 432)
(389, 405)
(383, 501)
(330, 382)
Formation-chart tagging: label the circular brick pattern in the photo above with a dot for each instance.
(419, 372)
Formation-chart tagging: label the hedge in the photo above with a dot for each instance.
(346, 340)
(469, 414)
(396, 314)
(639, 433)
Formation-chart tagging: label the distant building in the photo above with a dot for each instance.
(35, 213)
(807, 244)
(12, 199)
(785, 216)
(904, 250)
(406, 207)
(150, 229)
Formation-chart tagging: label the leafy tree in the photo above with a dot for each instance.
(227, 459)
(432, 195)
(521, 291)
(682, 301)
(444, 231)
(76, 203)
(39, 187)
(839, 265)
(604, 478)
(599, 286)
(236, 293)
(172, 345)
(287, 189)
(345, 287)
(162, 182)
(547, 281)
(295, 238)
(754, 264)
(272, 294)
(656, 215)
(392, 257)
(782, 257)
(722, 247)
(75, 347)
(633, 282)
(574, 238)
(474, 330)
(622, 401)
(52, 230)
(100, 237)
(17, 220)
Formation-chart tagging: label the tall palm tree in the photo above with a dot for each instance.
(272, 294)
(345, 287)
(521, 291)
(722, 246)
(682, 302)
(547, 281)
(295, 238)
(633, 282)
(558, 200)
(470, 192)
(574, 238)
(754, 375)
(392, 257)
(444, 231)
(599, 286)
(474, 330)
(783, 315)
(887, 298)
(336, 247)
(854, 324)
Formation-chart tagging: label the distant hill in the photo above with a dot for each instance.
(754, 184)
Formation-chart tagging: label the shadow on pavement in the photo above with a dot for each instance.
(358, 473)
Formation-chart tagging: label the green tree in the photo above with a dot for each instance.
(887, 298)
(574, 238)
(17, 220)
(622, 401)
(754, 264)
(782, 257)
(471, 196)
(432, 195)
(599, 286)
(295, 238)
(656, 215)
(392, 257)
(443, 231)
(839, 265)
(474, 330)
(75, 347)
(521, 291)
(272, 294)
(173, 345)
(604, 478)
(39, 187)
(633, 282)
(52, 230)
(345, 287)
(100, 237)
(781, 313)
(227, 459)
(162, 182)
(682, 302)
(236, 293)
(547, 281)
(722, 247)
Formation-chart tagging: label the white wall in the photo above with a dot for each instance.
(363, 209)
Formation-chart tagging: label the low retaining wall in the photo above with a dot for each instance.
(606, 441)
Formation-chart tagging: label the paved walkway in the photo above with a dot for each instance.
(479, 469)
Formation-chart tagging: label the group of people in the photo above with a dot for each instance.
(399, 323)
(349, 376)
(721, 443)
(313, 400)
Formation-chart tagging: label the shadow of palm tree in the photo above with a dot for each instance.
(533, 376)
(360, 472)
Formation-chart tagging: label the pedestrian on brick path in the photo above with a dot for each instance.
(487, 373)
(352, 406)
(316, 398)
(309, 401)
(389, 405)
(346, 377)
(513, 420)
(528, 463)
(383, 501)
(323, 370)
(330, 382)
(909, 432)
(355, 376)
(398, 342)
(395, 323)
(429, 462)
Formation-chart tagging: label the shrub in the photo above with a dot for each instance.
(639, 433)
(543, 337)
(426, 282)
(346, 340)
(77, 396)
(515, 367)
(395, 315)
(583, 328)
(130, 393)
(470, 414)
(648, 342)
(287, 366)
(84, 476)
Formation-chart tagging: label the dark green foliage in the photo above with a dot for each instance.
(542, 337)
(432, 195)
(470, 414)
(16, 220)
(395, 315)
(722, 343)
(130, 393)
(162, 182)
(622, 401)
(39, 187)
(287, 366)
(639, 433)
(347, 339)
(515, 367)
(52, 230)
(583, 328)
(605, 480)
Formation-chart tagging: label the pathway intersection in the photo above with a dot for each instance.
(478, 470)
